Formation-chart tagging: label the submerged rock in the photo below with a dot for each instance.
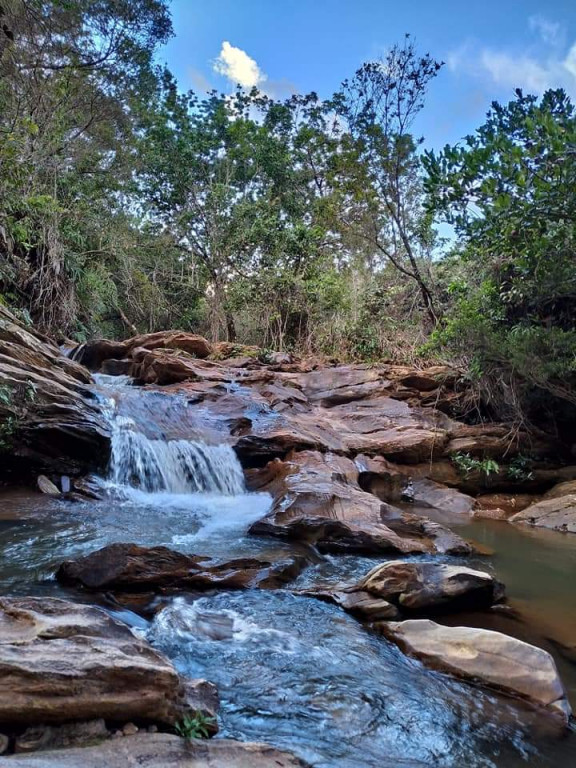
(126, 567)
(486, 658)
(162, 750)
(317, 499)
(61, 661)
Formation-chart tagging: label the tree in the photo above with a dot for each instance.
(379, 106)
(69, 77)
(510, 192)
(240, 183)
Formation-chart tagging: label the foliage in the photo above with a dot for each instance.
(510, 193)
(467, 464)
(194, 726)
(15, 399)
(379, 105)
(520, 468)
(306, 225)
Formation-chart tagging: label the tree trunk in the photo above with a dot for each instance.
(230, 327)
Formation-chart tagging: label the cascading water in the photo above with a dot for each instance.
(175, 466)
(157, 464)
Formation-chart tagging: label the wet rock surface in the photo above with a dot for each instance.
(557, 513)
(430, 586)
(413, 588)
(317, 499)
(129, 567)
(484, 657)
(161, 750)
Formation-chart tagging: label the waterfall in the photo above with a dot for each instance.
(155, 464)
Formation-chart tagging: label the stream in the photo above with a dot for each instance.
(293, 671)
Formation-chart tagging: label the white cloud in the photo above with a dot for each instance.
(549, 31)
(238, 67)
(519, 71)
(538, 67)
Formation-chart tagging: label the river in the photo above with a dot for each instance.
(293, 671)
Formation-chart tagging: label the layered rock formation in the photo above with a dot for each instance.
(49, 418)
(129, 567)
(317, 499)
(61, 661)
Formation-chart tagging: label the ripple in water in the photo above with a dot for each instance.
(300, 674)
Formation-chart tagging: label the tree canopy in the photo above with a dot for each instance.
(304, 223)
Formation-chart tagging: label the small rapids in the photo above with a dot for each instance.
(297, 673)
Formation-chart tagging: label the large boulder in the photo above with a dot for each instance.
(93, 354)
(486, 658)
(129, 567)
(557, 513)
(49, 416)
(317, 499)
(160, 750)
(61, 661)
(418, 587)
(413, 588)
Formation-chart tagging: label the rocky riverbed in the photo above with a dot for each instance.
(261, 507)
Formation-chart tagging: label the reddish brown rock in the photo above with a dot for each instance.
(427, 586)
(94, 353)
(557, 513)
(129, 567)
(566, 488)
(60, 661)
(162, 750)
(317, 499)
(501, 506)
(50, 416)
(360, 604)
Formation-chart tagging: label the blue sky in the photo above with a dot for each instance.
(286, 46)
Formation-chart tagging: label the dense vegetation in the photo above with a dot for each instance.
(127, 205)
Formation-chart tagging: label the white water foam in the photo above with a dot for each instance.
(182, 621)
(188, 476)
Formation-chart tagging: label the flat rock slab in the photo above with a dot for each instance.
(160, 750)
(484, 657)
(62, 661)
(557, 513)
(424, 587)
(126, 567)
